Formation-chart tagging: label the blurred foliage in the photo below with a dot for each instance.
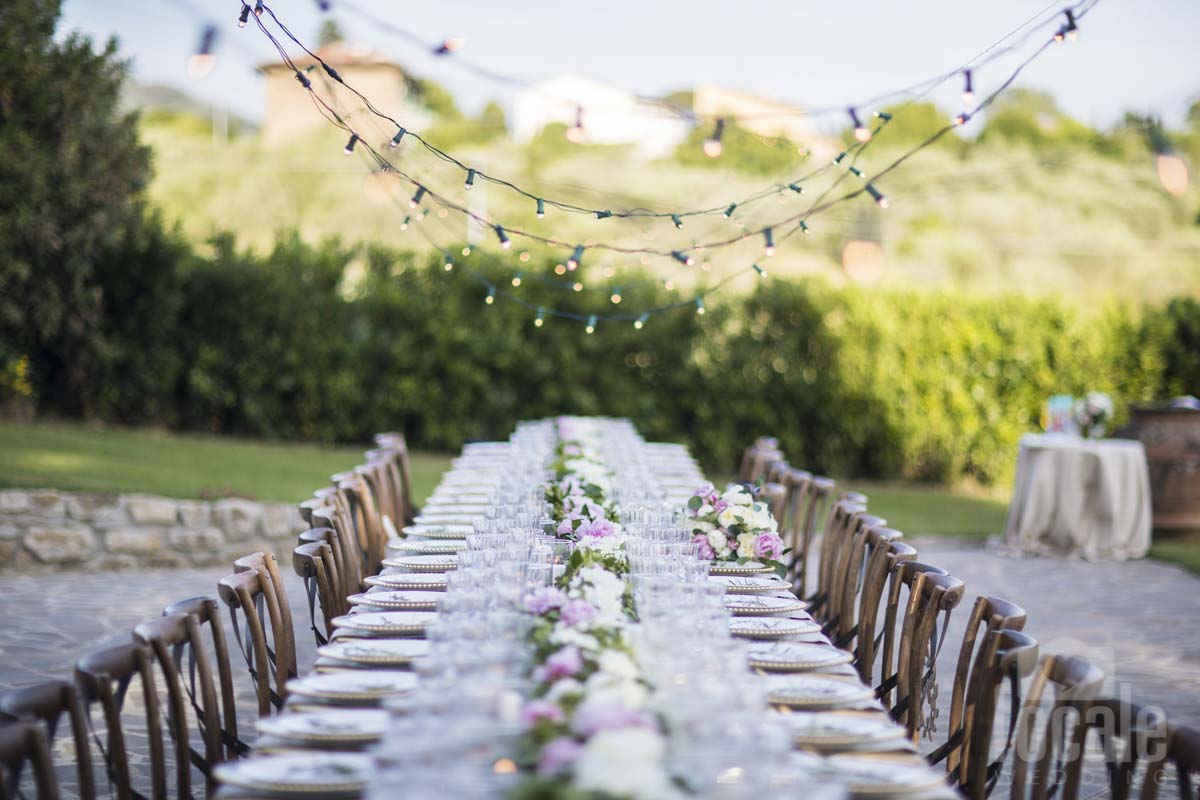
(433, 96)
(71, 181)
(465, 131)
(743, 151)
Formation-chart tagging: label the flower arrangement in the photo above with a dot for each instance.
(734, 526)
(1092, 413)
(578, 495)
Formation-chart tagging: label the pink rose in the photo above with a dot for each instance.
(537, 710)
(542, 600)
(591, 718)
(768, 545)
(705, 491)
(567, 526)
(720, 505)
(565, 663)
(706, 551)
(577, 612)
(598, 528)
(558, 753)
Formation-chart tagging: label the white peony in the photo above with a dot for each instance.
(561, 688)
(704, 510)
(618, 664)
(746, 544)
(600, 587)
(717, 540)
(603, 688)
(564, 635)
(625, 763)
(737, 495)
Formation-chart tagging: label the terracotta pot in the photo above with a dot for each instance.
(1171, 436)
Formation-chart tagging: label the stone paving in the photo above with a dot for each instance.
(1135, 620)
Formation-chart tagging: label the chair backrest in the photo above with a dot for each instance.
(167, 638)
(988, 615)
(837, 529)
(350, 562)
(761, 462)
(775, 495)
(848, 566)
(1074, 683)
(242, 594)
(275, 603)
(47, 703)
(314, 563)
(380, 475)
(206, 611)
(885, 553)
(398, 446)
(364, 515)
(104, 677)
(24, 743)
(746, 467)
(1004, 654)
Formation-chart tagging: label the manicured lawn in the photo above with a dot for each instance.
(917, 510)
(75, 457)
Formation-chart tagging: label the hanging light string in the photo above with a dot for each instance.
(1076, 12)
(920, 88)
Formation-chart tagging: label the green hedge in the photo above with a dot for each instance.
(872, 383)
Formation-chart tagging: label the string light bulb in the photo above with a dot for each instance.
(258, 8)
(591, 324)
(541, 208)
(838, 158)
(804, 227)
(449, 265)
(855, 171)
(203, 60)
(713, 146)
(968, 95)
(244, 17)
(466, 251)
(577, 286)
(762, 273)
(729, 211)
(576, 133)
(491, 296)
(417, 197)
(404, 224)
(883, 116)
(877, 196)
(516, 281)
(350, 144)
(395, 142)
(470, 179)
(675, 218)
(861, 132)
(683, 258)
(769, 248)
(505, 242)
(616, 295)
(962, 118)
(795, 187)
(450, 45)
(1069, 30)
(540, 319)
(640, 322)
(700, 306)
(576, 258)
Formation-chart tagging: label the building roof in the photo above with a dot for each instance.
(337, 55)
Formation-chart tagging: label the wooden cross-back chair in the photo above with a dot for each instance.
(349, 561)
(22, 744)
(988, 615)
(380, 474)
(271, 665)
(808, 496)
(314, 562)
(932, 596)
(397, 445)
(104, 678)
(206, 611)
(364, 516)
(887, 553)
(837, 529)
(274, 602)
(775, 496)
(1006, 656)
(47, 703)
(846, 575)
(166, 639)
(749, 456)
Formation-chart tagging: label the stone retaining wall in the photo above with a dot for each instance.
(44, 530)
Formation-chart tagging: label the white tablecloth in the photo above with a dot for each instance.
(1085, 497)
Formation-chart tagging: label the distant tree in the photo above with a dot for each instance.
(680, 98)
(492, 117)
(911, 123)
(434, 96)
(1032, 117)
(71, 185)
(742, 150)
(330, 33)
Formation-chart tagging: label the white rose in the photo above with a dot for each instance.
(625, 763)
(605, 689)
(746, 545)
(737, 495)
(704, 510)
(564, 635)
(728, 517)
(717, 540)
(561, 688)
(617, 663)
(703, 527)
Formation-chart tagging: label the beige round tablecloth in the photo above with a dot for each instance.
(1085, 497)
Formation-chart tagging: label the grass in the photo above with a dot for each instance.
(934, 510)
(1182, 549)
(76, 457)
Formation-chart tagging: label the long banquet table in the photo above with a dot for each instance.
(438, 686)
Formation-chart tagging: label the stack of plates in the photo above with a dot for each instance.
(394, 600)
(843, 730)
(758, 605)
(337, 726)
(734, 568)
(355, 688)
(429, 562)
(418, 546)
(795, 657)
(412, 581)
(771, 627)
(751, 584)
(375, 653)
(385, 623)
(305, 773)
(816, 692)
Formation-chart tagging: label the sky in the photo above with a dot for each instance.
(1141, 55)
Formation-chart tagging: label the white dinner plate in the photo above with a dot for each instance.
(761, 605)
(439, 531)
(304, 772)
(751, 584)
(386, 623)
(415, 581)
(395, 600)
(883, 776)
(430, 562)
(355, 686)
(834, 730)
(375, 652)
(434, 546)
(337, 725)
(794, 656)
(438, 519)
(815, 691)
(734, 568)
(770, 627)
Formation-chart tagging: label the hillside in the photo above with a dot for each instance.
(1053, 219)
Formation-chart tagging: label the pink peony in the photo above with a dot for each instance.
(567, 526)
(706, 551)
(591, 718)
(558, 753)
(537, 710)
(719, 506)
(542, 600)
(564, 663)
(705, 491)
(598, 528)
(768, 545)
(577, 612)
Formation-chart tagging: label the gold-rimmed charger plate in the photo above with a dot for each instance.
(760, 605)
(429, 562)
(386, 623)
(375, 652)
(356, 686)
(412, 581)
(795, 656)
(345, 725)
(883, 776)
(842, 730)
(304, 772)
(734, 568)
(770, 627)
(751, 584)
(439, 531)
(815, 691)
(395, 600)
(417, 546)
